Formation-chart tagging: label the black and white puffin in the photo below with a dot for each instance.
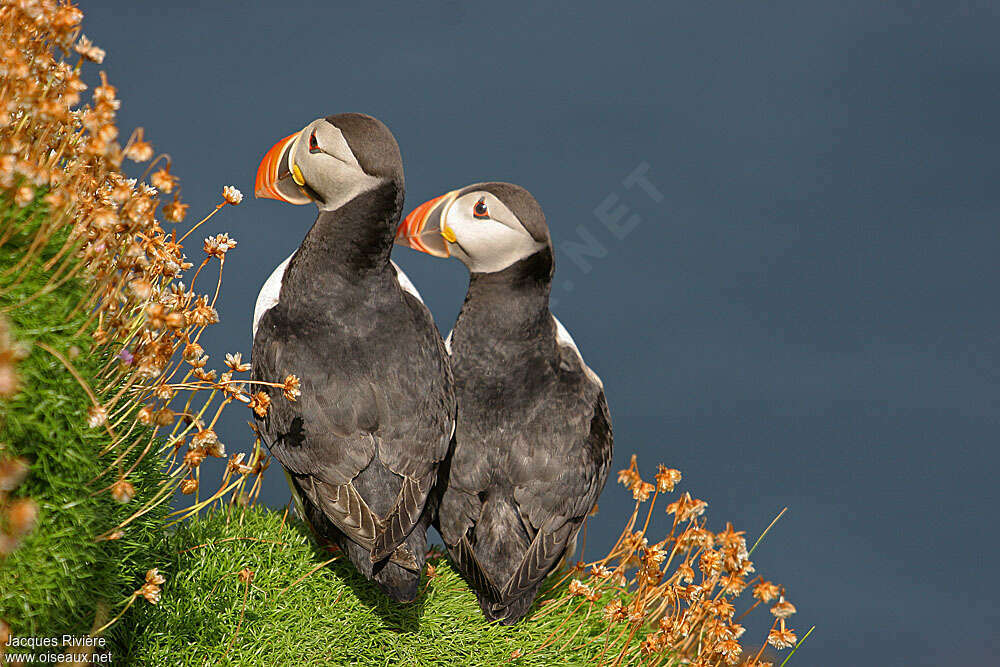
(363, 443)
(533, 437)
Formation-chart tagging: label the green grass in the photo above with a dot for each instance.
(62, 581)
(57, 580)
(332, 616)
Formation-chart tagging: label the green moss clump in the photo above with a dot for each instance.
(331, 616)
(61, 580)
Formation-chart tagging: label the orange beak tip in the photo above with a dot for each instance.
(267, 179)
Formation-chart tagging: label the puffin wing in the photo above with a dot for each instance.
(323, 446)
(414, 446)
(559, 483)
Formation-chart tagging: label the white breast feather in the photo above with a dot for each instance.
(564, 339)
(405, 283)
(269, 293)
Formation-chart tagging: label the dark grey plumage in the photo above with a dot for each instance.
(533, 439)
(363, 443)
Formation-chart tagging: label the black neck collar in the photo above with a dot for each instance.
(355, 239)
(512, 304)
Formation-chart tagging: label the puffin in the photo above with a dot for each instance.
(363, 443)
(533, 439)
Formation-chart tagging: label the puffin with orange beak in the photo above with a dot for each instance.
(362, 444)
(533, 438)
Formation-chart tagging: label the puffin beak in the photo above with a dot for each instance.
(422, 229)
(278, 177)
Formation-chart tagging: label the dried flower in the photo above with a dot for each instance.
(12, 473)
(163, 417)
(667, 478)
(96, 416)
(291, 389)
(88, 50)
(232, 195)
(236, 363)
(208, 441)
(122, 490)
(24, 195)
(641, 491)
(783, 609)
(782, 638)
(175, 211)
(218, 245)
(151, 589)
(687, 508)
(614, 611)
(21, 517)
(163, 180)
(139, 151)
(194, 457)
(765, 591)
(577, 587)
(259, 403)
(600, 571)
(237, 466)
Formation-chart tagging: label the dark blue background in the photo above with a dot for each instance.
(807, 318)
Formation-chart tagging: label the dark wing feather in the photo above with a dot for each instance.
(344, 507)
(418, 446)
(557, 496)
(540, 558)
(324, 450)
(468, 564)
(330, 441)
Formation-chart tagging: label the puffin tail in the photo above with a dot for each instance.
(399, 583)
(509, 611)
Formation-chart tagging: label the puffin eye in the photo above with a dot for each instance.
(313, 144)
(480, 210)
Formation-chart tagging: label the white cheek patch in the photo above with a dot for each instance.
(269, 293)
(491, 246)
(334, 173)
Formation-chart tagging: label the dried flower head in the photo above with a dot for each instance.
(96, 416)
(667, 479)
(783, 609)
(232, 195)
(122, 490)
(259, 403)
(218, 245)
(236, 363)
(765, 591)
(139, 150)
(22, 515)
(151, 589)
(175, 211)
(88, 50)
(782, 638)
(291, 388)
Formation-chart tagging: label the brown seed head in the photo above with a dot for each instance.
(122, 490)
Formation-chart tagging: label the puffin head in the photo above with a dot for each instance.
(488, 226)
(330, 161)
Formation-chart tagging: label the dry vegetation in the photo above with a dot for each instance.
(152, 396)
